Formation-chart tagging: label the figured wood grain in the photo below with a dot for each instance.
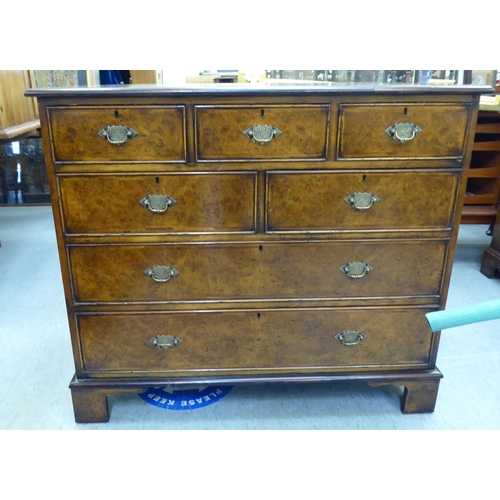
(314, 201)
(256, 271)
(420, 397)
(223, 202)
(160, 133)
(469, 142)
(269, 340)
(420, 393)
(362, 130)
(90, 405)
(114, 309)
(220, 132)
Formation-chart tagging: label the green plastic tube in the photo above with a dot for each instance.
(441, 320)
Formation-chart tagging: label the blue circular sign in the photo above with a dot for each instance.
(185, 399)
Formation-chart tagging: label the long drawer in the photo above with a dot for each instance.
(118, 133)
(391, 131)
(327, 201)
(256, 271)
(262, 132)
(266, 341)
(166, 203)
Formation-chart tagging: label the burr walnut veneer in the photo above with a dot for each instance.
(231, 234)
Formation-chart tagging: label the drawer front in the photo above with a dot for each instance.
(196, 203)
(253, 271)
(82, 134)
(269, 340)
(370, 131)
(294, 132)
(320, 201)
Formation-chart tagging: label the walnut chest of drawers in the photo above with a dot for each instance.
(232, 234)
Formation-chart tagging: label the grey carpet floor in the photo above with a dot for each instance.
(36, 360)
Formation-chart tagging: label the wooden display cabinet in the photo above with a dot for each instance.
(490, 266)
(483, 185)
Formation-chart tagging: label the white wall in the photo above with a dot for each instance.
(177, 76)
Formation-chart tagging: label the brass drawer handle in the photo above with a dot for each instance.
(356, 270)
(361, 201)
(161, 274)
(117, 134)
(350, 338)
(403, 132)
(165, 341)
(262, 133)
(158, 203)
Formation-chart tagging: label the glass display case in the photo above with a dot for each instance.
(380, 76)
(23, 177)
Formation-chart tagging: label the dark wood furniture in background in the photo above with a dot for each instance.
(490, 265)
(24, 177)
(18, 114)
(18, 117)
(229, 234)
(483, 185)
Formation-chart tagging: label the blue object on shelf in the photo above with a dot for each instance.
(110, 77)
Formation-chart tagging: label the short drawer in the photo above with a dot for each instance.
(262, 132)
(392, 131)
(167, 203)
(258, 341)
(328, 201)
(110, 134)
(253, 271)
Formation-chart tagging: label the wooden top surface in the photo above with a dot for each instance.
(263, 89)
